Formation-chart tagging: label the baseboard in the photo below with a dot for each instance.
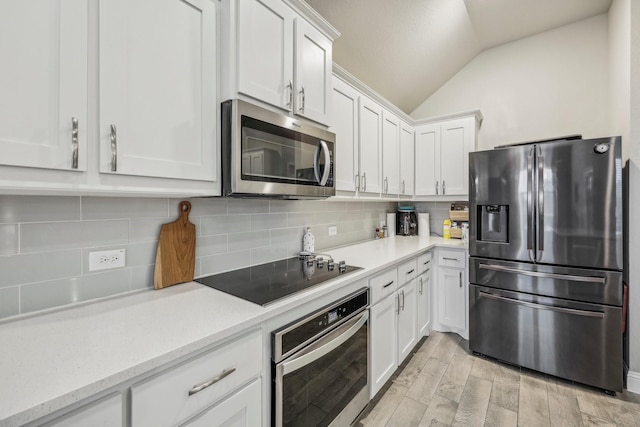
(633, 381)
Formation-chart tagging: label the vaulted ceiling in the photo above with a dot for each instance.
(406, 49)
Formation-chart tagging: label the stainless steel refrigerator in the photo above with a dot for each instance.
(546, 260)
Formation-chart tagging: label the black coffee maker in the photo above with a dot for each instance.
(406, 221)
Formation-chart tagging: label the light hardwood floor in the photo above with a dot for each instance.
(443, 384)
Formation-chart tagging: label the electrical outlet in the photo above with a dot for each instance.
(103, 260)
(333, 230)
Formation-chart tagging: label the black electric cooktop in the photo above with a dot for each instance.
(267, 283)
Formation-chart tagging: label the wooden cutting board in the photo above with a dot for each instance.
(176, 255)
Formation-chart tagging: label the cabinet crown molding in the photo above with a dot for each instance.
(314, 18)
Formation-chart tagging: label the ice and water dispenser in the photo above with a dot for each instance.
(493, 223)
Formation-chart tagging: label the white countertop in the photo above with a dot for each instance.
(53, 360)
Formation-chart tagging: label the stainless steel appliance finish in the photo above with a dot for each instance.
(546, 258)
(320, 365)
(266, 154)
(406, 222)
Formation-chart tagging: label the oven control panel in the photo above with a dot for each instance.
(305, 330)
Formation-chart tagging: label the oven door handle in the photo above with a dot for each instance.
(325, 345)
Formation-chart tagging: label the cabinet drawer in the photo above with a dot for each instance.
(456, 259)
(407, 271)
(383, 284)
(165, 400)
(424, 263)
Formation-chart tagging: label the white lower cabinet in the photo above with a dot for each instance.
(104, 413)
(242, 409)
(393, 321)
(452, 292)
(178, 394)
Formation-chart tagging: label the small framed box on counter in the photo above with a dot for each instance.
(459, 215)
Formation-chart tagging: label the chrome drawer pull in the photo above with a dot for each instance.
(427, 262)
(199, 388)
(542, 274)
(451, 259)
(544, 307)
(388, 284)
(411, 271)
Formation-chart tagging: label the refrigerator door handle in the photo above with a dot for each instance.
(530, 219)
(540, 213)
(585, 313)
(542, 274)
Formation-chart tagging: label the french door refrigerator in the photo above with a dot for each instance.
(546, 260)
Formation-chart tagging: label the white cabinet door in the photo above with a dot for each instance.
(407, 159)
(105, 413)
(407, 321)
(242, 409)
(427, 160)
(457, 141)
(344, 123)
(424, 304)
(370, 116)
(383, 342)
(390, 154)
(265, 51)
(312, 72)
(43, 83)
(451, 298)
(158, 103)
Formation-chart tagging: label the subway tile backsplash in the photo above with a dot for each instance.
(45, 241)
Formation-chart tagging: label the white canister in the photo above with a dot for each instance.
(308, 241)
(391, 225)
(423, 224)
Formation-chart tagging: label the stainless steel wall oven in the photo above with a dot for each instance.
(320, 364)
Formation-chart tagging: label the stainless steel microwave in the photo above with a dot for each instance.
(266, 154)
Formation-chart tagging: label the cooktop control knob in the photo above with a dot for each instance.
(320, 262)
(330, 265)
(342, 266)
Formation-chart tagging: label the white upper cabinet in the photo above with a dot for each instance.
(265, 51)
(282, 59)
(43, 84)
(406, 160)
(344, 124)
(158, 89)
(137, 115)
(442, 157)
(370, 116)
(390, 154)
(312, 73)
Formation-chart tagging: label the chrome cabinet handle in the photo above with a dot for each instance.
(290, 103)
(357, 179)
(403, 300)
(74, 142)
(301, 109)
(114, 149)
(364, 182)
(397, 303)
(542, 306)
(388, 284)
(451, 259)
(460, 278)
(437, 187)
(443, 189)
(199, 388)
(404, 187)
(386, 185)
(421, 286)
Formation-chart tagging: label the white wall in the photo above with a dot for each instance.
(551, 84)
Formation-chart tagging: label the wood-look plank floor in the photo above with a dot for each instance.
(443, 384)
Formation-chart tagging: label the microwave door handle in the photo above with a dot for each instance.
(327, 167)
